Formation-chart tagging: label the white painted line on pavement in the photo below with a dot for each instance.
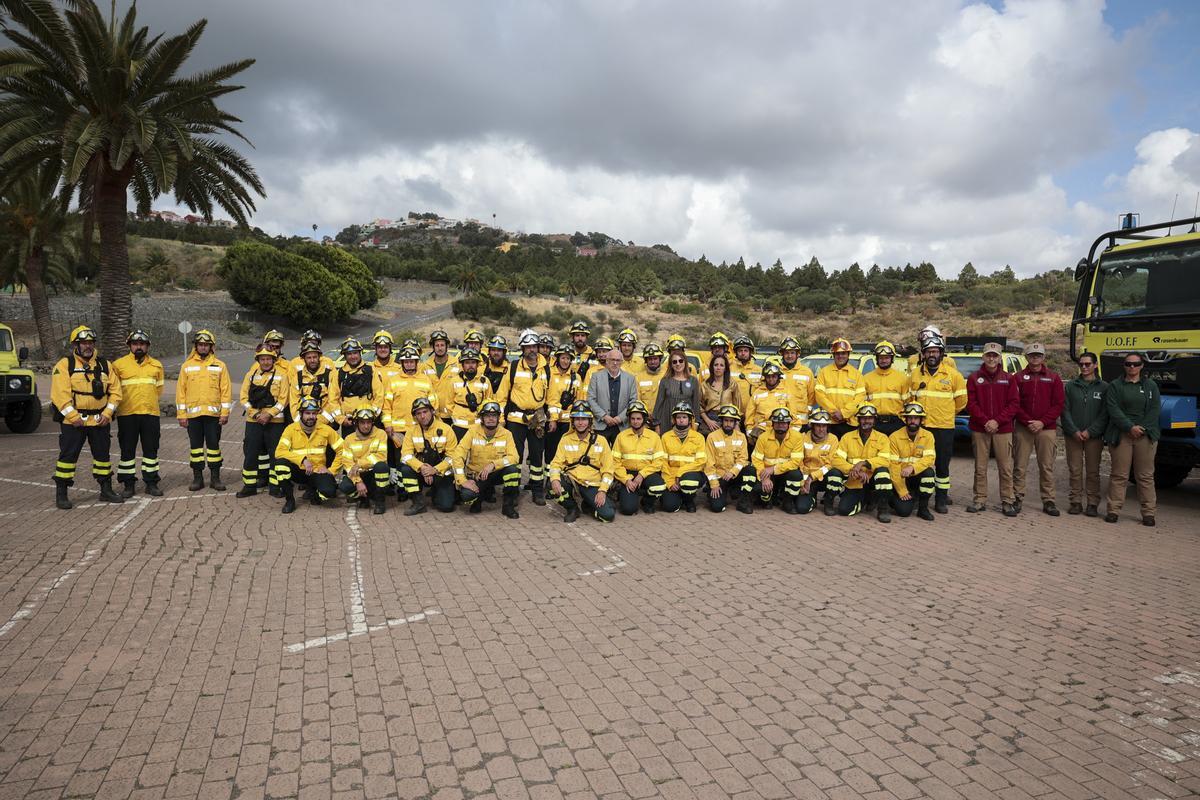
(45, 485)
(617, 560)
(358, 611)
(343, 636)
(89, 555)
(104, 505)
(1184, 676)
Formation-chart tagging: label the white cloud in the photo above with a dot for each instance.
(1168, 164)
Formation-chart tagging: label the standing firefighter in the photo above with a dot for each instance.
(425, 460)
(885, 389)
(356, 384)
(942, 391)
(264, 397)
(484, 458)
(468, 392)
(301, 457)
(840, 389)
(583, 465)
(363, 459)
(85, 393)
(138, 415)
(203, 400)
(523, 394)
(312, 379)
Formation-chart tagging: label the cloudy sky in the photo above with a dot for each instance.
(863, 130)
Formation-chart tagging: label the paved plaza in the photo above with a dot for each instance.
(197, 645)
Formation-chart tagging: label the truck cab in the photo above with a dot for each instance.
(18, 387)
(1139, 291)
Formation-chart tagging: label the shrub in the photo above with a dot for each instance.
(737, 314)
(347, 267)
(286, 285)
(240, 327)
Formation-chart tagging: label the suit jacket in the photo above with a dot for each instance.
(597, 396)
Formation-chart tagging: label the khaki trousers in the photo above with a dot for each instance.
(1081, 456)
(985, 444)
(1138, 454)
(1042, 443)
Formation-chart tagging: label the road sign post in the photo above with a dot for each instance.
(185, 328)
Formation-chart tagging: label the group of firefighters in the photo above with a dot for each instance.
(597, 426)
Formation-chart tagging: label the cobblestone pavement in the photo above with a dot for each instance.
(202, 646)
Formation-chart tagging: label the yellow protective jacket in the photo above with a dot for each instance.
(748, 377)
(281, 389)
(141, 385)
(840, 390)
(641, 454)
(725, 452)
(71, 389)
(461, 415)
(560, 382)
(441, 383)
(524, 390)
(764, 401)
(886, 389)
(318, 385)
(597, 473)
(917, 453)
(647, 387)
(876, 451)
(296, 444)
(683, 455)
(399, 396)
(818, 456)
(944, 394)
(204, 388)
(347, 377)
(784, 456)
(359, 452)
(800, 381)
(475, 451)
(496, 376)
(441, 441)
(386, 371)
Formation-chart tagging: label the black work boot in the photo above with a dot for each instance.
(380, 500)
(197, 480)
(476, 506)
(744, 504)
(107, 494)
(648, 505)
(215, 479)
(923, 508)
(153, 490)
(509, 506)
(419, 506)
(264, 480)
(884, 512)
(689, 503)
(539, 494)
(939, 501)
(827, 505)
(60, 497)
(364, 503)
(289, 499)
(129, 490)
(247, 490)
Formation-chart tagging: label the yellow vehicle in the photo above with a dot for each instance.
(862, 357)
(1141, 294)
(18, 387)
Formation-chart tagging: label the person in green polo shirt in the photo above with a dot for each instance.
(1084, 420)
(1133, 404)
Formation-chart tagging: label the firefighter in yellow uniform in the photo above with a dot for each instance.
(798, 379)
(727, 463)
(776, 459)
(383, 362)
(820, 447)
(203, 400)
(85, 393)
(581, 353)
(523, 394)
(486, 457)
(139, 415)
(438, 364)
(686, 460)
(864, 460)
(942, 391)
(648, 378)
(566, 387)
(626, 342)
(468, 392)
(495, 366)
(638, 461)
(886, 388)
(912, 465)
(274, 342)
(770, 395)
(299, 362)
(583, 465)
(356, 384)
(406, 386)
(426, 460)
(839, 388)
(915, 360)
(301, 457)
(313, 380)
(744, 370)
(264, 398)
(362, 462)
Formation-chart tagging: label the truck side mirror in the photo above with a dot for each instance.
(23, 354)
(1081, 269)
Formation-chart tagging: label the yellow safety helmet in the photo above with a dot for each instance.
(263, 350)
(473, 336)
(366, 412)
(639, 407)
(675, 341)
(913, 410)
(820, 417)
(204, 336)
(652, 351)
(381, 337)
(718, 339)
(885, 348)
(781, 414)
(728, 411)
(867, 410)
(83, 334)
(273, 336)
(839, 345)
(603, 343)
(627, 335)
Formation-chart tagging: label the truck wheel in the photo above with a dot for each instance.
(1168, 476)
(24, 417)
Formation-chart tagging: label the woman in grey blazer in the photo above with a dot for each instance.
(679, 385)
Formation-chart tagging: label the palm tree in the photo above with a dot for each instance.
(34, 242)
(106, 102)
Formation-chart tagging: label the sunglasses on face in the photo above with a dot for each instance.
(1132, 364)
(676, 361)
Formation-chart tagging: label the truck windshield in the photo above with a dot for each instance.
(1149, 281)
(6, 342)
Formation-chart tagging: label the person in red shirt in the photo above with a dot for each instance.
(992, 404)
(1042, 400)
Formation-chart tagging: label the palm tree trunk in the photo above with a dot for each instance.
(34, 264)
(116, 299)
